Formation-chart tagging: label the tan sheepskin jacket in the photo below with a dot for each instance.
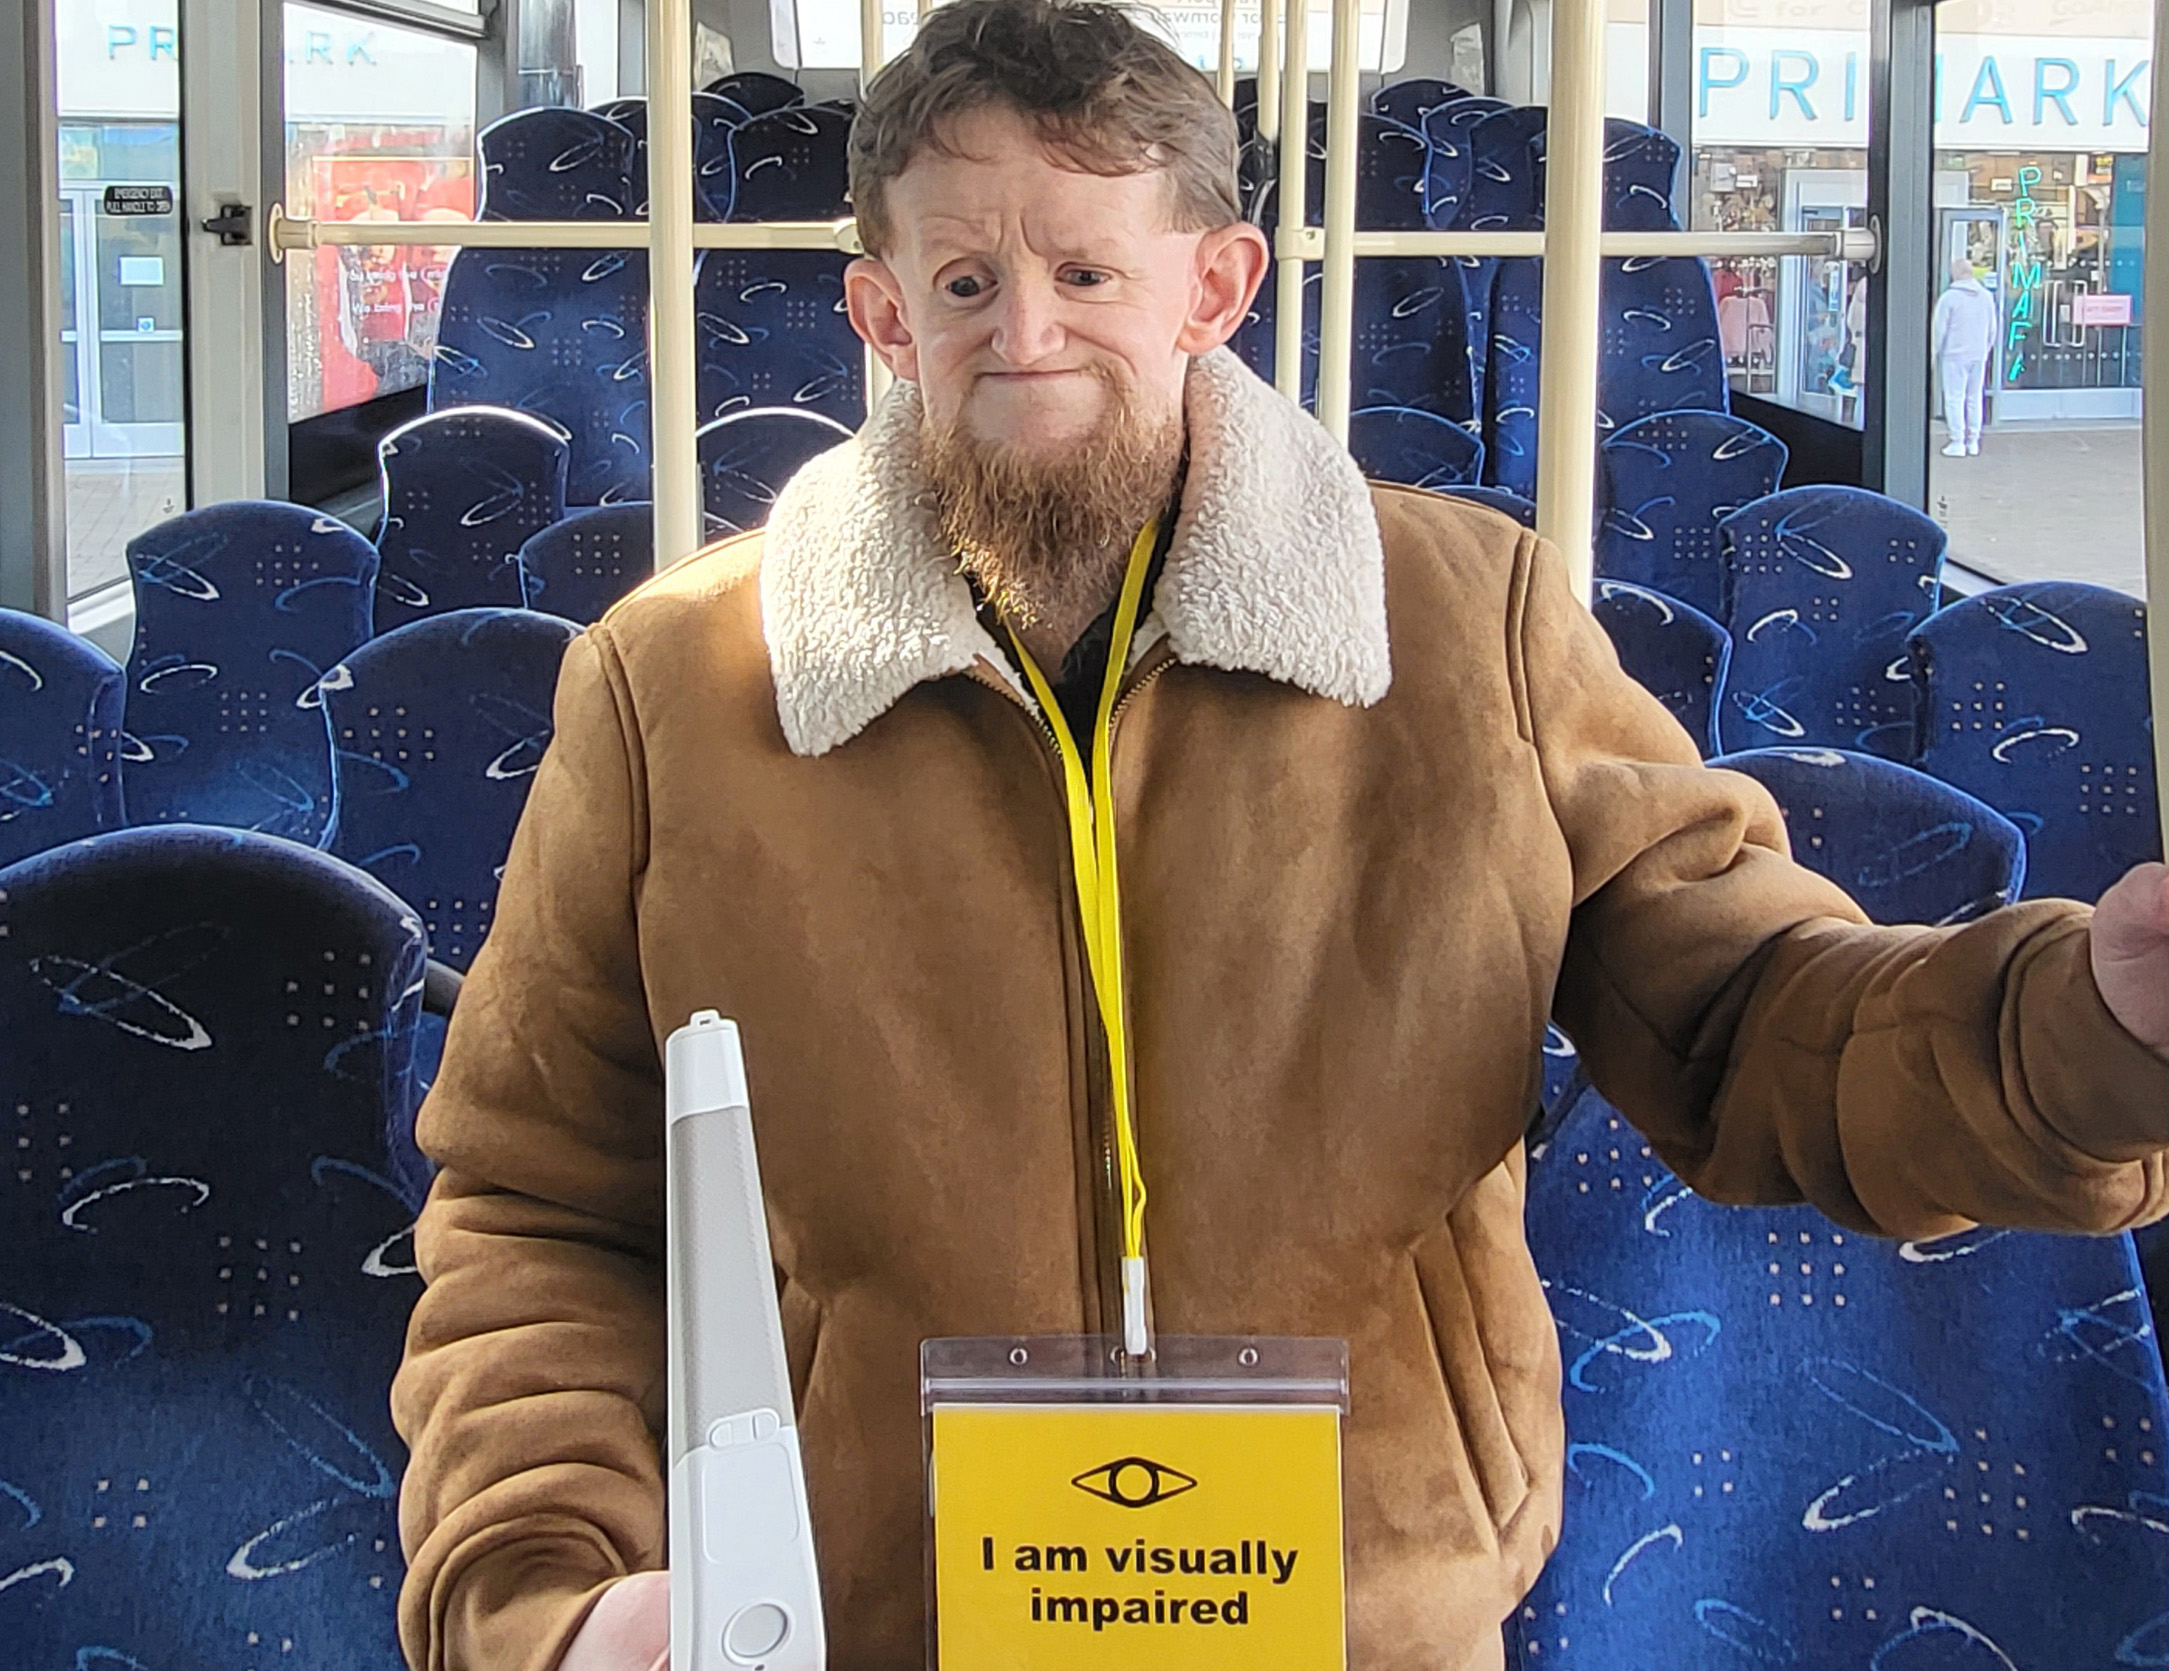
(1386, 804)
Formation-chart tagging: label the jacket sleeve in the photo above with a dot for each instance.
(532, 1389)
(1774, 1046)
(1939, 326)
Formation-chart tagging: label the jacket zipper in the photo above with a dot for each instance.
(1107, 1216)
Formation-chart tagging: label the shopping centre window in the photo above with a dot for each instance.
(379, 126)
(824, 34)
(1780, 136)
(2040, 191)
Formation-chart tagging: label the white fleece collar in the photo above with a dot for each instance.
(1275, 566)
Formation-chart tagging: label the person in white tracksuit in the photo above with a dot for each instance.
(1963, 335)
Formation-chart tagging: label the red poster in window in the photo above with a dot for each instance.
(377, 305)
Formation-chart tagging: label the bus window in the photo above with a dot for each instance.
(1780, 134)
(2041, 126)
(121, 311)
(1626, 59)
(379, 126)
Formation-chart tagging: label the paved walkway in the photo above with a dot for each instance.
(2044, 504)
(110, 502)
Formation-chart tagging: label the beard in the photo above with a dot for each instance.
(1047, 534)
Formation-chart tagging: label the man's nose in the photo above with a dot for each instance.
(1030, 328)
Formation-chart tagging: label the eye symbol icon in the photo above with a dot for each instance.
(1134, 1482)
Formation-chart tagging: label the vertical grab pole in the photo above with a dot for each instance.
(872, 45)
(1225, 80)
(1337, 303)
(1269, 69)
(2155, 436)
(1294, 169)
(1566, 461)
(672, 355)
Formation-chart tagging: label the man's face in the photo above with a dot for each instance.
(1030, 300)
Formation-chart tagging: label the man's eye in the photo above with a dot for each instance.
(1086, 277)
(965, 288)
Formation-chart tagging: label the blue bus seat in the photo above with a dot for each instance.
(61, 704)
(240, 609)
(576, 569)
(1822, 587)
(1665, 484)
(464, 489)
(206, 1252)
(1790, 1444)
(1673, 650)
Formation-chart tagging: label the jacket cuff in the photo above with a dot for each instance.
(515, 1608)
(2102, 1090)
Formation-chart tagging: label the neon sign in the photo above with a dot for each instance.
(2026, 275)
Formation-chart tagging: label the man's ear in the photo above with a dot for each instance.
(1231, 263)
(876, 304)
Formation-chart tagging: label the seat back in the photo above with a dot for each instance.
(436, 731)
(1665, 484)
(576, 569)
(1907, 847)
(1410, 345)
(1507, 316)
(61, 700)
(772, 323)
(205, 1252)
(561, 334)
(552, 163)
(2034, 698)
(1497, 499)
(1409, 102)
(1950, 1443)
(756, 92)
(240, 610)
(1822, 585)
(463, 491)
(1418, 449)
(1672, 650)
(746, 457)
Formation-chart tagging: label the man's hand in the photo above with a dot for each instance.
(2131, 954)
(627, 1630)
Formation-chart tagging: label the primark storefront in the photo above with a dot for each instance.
(2040, 174)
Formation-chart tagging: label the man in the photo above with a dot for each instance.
(1386, 803)
(1963, 335)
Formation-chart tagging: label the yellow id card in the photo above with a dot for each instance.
(1147, 1537)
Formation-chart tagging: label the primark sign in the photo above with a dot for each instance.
(1763, 87)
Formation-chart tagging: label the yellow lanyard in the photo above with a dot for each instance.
(1099, 902)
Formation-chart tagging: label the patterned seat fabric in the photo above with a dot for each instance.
(1410, 346)
(713, 119)
(1822, 585)
(206, 1253)
(1672, 650)
(463, 491)
(1788, 1444)
(1905, 846)
(240, 610)
(61, 700)
(1498, 499)
(436, 731)
(1664, 485)
(1418, 449)
(2034, 698)
(747, 456)
(561, 334)
(550, 163)
(1409, 102)
(1658, 350)
(773, 330)
(578, 568)
(756, 93)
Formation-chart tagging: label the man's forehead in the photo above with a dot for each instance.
(990, 162)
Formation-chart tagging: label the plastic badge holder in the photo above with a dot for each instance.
(1177, 1513)
(744, 1592)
